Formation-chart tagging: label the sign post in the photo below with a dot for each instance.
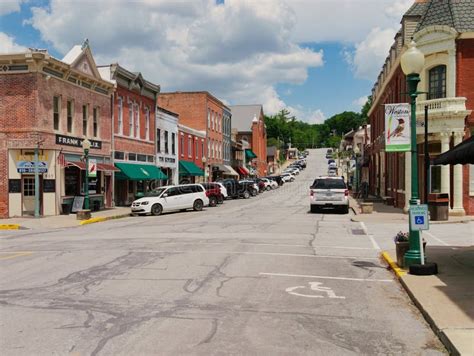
(418, 222)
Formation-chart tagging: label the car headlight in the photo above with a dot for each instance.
(144, 203)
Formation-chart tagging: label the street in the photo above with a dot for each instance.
(257, 276)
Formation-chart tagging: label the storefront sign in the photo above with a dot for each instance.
(166, 159)
(397, 127)
(76, 142)
(29, 167)
(92, 168)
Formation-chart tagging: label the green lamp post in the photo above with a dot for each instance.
(412, 62)
(86, 145)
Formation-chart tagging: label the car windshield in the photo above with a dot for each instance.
(155, 192)
(329, 184)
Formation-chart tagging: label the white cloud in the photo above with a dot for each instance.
(370, 54)
(238, 50)
(9, 6)
(360, 102)
(8, 45)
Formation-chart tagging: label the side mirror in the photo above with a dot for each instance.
(164, 195)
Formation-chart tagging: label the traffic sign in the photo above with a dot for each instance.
(419, 217)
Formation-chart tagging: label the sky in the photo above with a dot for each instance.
(316, 58)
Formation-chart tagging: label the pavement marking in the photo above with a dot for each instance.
(374, 243)
(9, 226)
(362, 225)
(345, 247)
(316, 287)
(435, 238)
(398, 271)
(227, 243)
(325, 277)
(15, 254)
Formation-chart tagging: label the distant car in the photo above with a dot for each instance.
(236, 189)
(332, 172)
(277, 179)
(223, 190)
(213, 192)
(332, 165)
(329, 192)
(269, 184)
(288, 177)
(170, 198)
(330, 161)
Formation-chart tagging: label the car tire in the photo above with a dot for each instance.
(268, 188)
(220, 200)
(246, 194)
(198, 205)
(345, 210)
(253, 193)
(313, 208)
(212, 201)
(156, 209)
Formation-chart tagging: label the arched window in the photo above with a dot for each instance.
(437, 82)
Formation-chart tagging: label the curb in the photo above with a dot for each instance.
(9, 226)
(397, 270)
(102, 219)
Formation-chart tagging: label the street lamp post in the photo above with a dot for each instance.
(412, 62)
(204, 160)
(86, 145)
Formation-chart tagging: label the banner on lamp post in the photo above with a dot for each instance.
(92, 169)
(397, 127)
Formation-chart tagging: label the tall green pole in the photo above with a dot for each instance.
(413, 255)
(37, 185)
(86, 200)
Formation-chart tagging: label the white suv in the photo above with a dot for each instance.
(329, 192)
(169, 198)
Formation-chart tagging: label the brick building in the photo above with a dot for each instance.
(191, 151)
(134, 103)
(443, 32)
(203, 112)
(251, 131)
(52, 105)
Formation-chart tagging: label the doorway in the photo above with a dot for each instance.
(28, 195)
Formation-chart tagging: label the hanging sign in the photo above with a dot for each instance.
(397, 127)
(29, 167)
(92, 168)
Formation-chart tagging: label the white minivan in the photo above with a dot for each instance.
(169, 198)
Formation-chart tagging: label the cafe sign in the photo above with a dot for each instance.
(29, 167)
(76, 142)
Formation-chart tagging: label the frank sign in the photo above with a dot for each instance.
(397, 127)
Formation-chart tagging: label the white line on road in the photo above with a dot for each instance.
(435, 238)
(362, 225)
(325, 277)
(345, 247)
(371, 237)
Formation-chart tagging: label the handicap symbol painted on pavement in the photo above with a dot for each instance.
(419, 220)
(314, 287)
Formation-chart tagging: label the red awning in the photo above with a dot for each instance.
(245, 170)
(242, 170)
(105, 167)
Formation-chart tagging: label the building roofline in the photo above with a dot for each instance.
(167, 111)
(205, 92)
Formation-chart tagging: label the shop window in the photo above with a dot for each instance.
(119, 155)
(69, 115)
(95, 121)
(130, 186)
(141, 158)
(84, 120)
(435, 179)
(132, 156)
(437, 82)
(140, 186)
(158, 140)
(151, 158)
(120, 116)
(173, 143)
(166, 142)
(72, 181)
(28, 187)
(56, 112)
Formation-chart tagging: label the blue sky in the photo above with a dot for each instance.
(281, 53)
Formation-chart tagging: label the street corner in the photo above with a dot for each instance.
(103, 218)
(399, 272)
(10, 227)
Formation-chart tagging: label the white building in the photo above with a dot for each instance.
(167, 143)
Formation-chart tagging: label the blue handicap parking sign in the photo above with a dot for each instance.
(419, 220)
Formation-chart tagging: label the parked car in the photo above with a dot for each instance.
(223, 190)
(329, 192)
(332, 165)
(252, 186)
(332, 172)
(277, 179)
(288, 177)
(270, 184)
(236, 189)
(213, 192)
(331, 161)
(170, 198)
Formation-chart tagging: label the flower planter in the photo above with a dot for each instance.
(367, 208)
(401, 248)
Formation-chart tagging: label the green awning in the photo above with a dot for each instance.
(133, 171)
(189, 169)
(249, 153)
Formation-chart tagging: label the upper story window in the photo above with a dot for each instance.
(69, 115)
(166, 142)
(95, 121)
(84, 120)
(137, 121)
(56, 112)
(158, 140)
(147, 124)
(190, 146)
(130, 119)
(197, 149)
(120, 116)
(437, 82)
(173, 143)
(209, 118)
(181, 148)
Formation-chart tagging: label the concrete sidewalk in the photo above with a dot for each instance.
(62, 221)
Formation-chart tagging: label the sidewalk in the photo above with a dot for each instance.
(62, 221)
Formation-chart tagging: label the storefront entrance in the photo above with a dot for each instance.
(28, 195)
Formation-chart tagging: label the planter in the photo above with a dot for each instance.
(367, 208)
(402, 248)
(83, 215)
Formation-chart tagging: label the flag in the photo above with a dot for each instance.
(61, 159)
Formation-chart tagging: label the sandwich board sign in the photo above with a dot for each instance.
(419, 217)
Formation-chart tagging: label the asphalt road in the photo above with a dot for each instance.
(259, 276)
